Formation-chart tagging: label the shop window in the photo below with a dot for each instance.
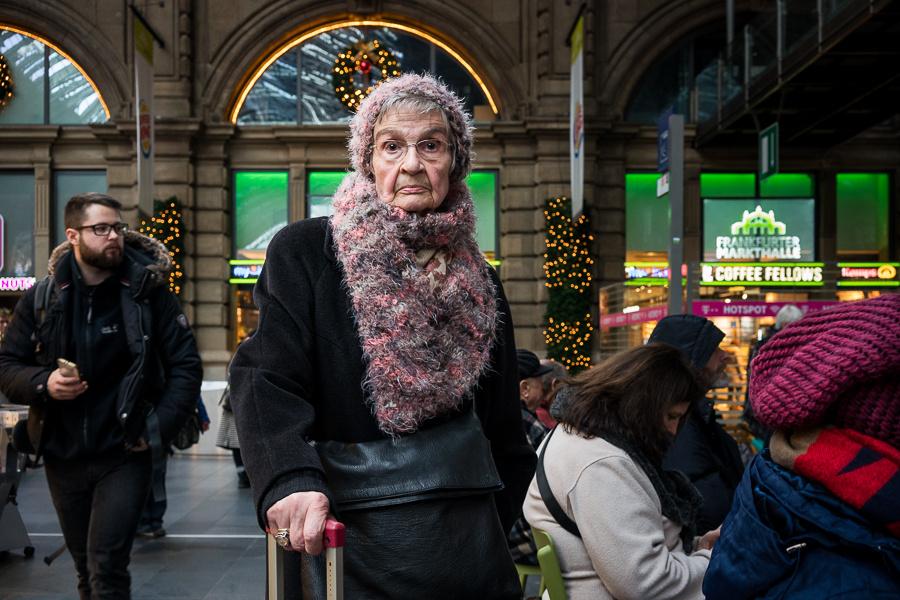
(298, 87)
(67, 184)
(322, 185)
(260, 210)
(16, 224)
(788, 185)
(863, 204)
(727, 185)
(744, 185)
(646, 219)
(47, 86)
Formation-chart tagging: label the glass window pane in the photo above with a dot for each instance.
(321, 188)
(260, 210)
(727, 185)
(863, 201)
(274, 97)
(65, 185)
(646, 218)
(787, 185)
(25, 57)
(72, 99)
(17, 226)
(483, 185)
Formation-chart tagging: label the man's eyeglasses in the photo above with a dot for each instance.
(103, 229)
(430, 150)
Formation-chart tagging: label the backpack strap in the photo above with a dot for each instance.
(43, 290)
(547, 495)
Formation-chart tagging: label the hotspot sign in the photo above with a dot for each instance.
(758, 229)
(749, 308)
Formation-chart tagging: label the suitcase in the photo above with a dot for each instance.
(334, 564)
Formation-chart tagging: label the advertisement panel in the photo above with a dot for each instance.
(759, 230)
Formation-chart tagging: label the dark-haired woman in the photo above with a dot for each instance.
(604, 470)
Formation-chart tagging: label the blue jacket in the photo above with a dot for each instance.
(788, 537)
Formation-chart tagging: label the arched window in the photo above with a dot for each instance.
(672, 81)
(299, 86)
(46, 85)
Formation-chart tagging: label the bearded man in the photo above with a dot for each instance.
(103, 356)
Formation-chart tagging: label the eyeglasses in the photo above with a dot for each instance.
(103, 229)
(430, 150)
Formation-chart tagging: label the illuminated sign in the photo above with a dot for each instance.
(16, 284)
(649, 273)
(244, 271)
(872, 274)
(634, 316)
(752, 308)
(762, 274)
(2, 241)
(776, 230)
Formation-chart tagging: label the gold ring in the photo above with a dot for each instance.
(283, 537)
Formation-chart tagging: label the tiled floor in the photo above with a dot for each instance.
(227, 563)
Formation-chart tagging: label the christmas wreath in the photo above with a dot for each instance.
(6, 83)
(356, 67)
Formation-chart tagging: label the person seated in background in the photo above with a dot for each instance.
(703, 449)
(531, 394)
(817, 515)
(786, 315)
(623, 526)
(551, 382)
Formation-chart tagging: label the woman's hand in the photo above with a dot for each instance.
(304, 513)
(709, 539)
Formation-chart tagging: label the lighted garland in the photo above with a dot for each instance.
(7, 87)
(167, 226)
(567, 268)
(361, 58)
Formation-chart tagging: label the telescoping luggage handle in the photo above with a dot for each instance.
(334, 563)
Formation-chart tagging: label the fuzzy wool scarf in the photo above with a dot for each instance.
(426, 339)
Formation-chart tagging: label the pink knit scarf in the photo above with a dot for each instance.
(424, 348)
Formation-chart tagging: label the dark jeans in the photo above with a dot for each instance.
(98, 502)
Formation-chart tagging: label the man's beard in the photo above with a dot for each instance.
(105, 259)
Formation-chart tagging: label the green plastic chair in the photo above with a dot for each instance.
(550, 571)
(525, 571)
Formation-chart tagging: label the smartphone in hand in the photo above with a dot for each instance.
(67, 368)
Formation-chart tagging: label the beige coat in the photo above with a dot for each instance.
(628, 548)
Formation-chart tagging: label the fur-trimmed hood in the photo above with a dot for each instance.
(145, 252)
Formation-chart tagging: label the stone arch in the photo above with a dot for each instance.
(259, 37)
(68, 30)
(646, 44)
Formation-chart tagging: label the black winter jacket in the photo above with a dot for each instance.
(163, 380)
(299, 377)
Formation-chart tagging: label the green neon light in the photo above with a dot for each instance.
(868, 283)
(762, 284)
(243, 281)
(246, 261)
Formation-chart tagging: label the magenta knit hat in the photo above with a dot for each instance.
(362, 126)
(839, 367)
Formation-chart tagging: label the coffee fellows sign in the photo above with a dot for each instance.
(758, 230)
(768, 274)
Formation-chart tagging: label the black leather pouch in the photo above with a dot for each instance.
(420, 516)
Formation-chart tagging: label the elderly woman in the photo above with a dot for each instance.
(381, 384)
(623, 527)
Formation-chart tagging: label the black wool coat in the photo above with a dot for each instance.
(299, 377)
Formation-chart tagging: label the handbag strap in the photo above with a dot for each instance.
(547, 496)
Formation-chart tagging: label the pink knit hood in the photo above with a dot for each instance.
(838, 367)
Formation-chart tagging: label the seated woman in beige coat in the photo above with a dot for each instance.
(623, 527)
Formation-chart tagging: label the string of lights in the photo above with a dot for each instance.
(567, 271)
(7, 88)
(359, 61)
(166, 225)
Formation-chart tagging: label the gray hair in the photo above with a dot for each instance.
(787, 315)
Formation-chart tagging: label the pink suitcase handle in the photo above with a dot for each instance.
(334, 534)
(334, 563)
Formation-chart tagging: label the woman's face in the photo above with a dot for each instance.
(673, 417)
(418, 179)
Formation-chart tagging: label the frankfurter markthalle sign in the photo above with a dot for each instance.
(759, 230)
